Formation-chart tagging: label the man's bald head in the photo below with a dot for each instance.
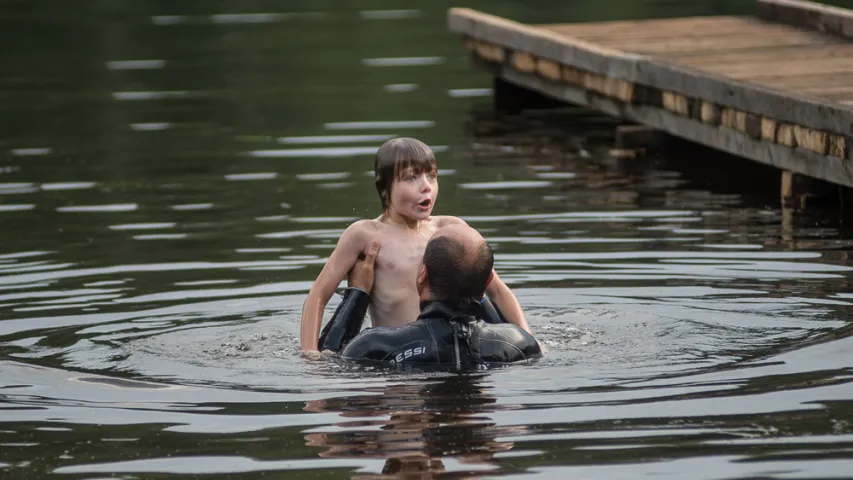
(458, 263)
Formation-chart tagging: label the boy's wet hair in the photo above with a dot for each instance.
(394, 158)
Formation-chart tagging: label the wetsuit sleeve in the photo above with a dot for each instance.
(530, 347)
(505, 343)
(491, 314)
(346, 322)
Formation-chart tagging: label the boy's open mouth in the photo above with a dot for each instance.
(425, 203)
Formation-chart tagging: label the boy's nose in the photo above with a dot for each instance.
(425, 185)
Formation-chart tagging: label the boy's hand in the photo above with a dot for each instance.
(361, 275)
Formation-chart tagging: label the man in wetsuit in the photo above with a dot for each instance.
(450, 330)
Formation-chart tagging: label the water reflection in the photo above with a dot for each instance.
(469, 92)
(149, 95)
(401, 61)
(334, 139)
(136, 64)
(150, 127)
(28, 152)
(67, 185)
(389, 14)
(419, 427)
(403, 124)
(401, 87)
(314, 152)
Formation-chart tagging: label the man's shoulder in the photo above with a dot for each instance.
(379, 343)
(508, 334)
(506, 330)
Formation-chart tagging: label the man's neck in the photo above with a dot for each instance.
(425, 295)
(435, 309)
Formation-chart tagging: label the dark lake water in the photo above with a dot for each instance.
(174, 174)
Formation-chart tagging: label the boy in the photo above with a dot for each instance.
(406, 179)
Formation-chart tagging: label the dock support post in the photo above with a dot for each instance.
(799, 192)
(795, 190)
(787, 190)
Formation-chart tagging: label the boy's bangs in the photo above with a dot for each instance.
(416, 165)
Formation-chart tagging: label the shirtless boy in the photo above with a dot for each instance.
(406, 178)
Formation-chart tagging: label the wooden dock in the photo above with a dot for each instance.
(776, 87)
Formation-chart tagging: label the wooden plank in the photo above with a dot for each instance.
(676, 103)
(681, 45)
(825, 66)
(523, 62)
(821, 89)
(620, 89)
(594, 82)
(779, 65)
(542, 43)
(813, 140)
(549, 69)
(716, 36)
(810, 15)
(489, 51)
(743, 122)
(728, 118)
(649, 28)
(756, 55)
(710, 113)
(838, 146)
(664, 38)
(799, 160)
(757, 99)
(573, 75)
(787, 107)
(804, 79)
(785, 135)
(768, 129)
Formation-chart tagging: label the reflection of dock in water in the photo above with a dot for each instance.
(773, 88)
(563, 156)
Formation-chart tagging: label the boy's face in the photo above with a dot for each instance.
(414, 193)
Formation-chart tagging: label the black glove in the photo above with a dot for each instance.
(346, 322)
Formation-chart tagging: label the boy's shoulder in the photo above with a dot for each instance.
(364, 229)
(445, 220)
(365, 225)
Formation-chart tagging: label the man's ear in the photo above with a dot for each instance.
(423, 276)
(491, 277)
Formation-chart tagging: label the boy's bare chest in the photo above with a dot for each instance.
(400, 255)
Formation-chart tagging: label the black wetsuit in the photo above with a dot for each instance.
(441, 336)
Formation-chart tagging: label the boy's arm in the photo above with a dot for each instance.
(342, 259)
(503, 298)
(348, 318)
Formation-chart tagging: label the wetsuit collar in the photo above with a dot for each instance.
(438, 309)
